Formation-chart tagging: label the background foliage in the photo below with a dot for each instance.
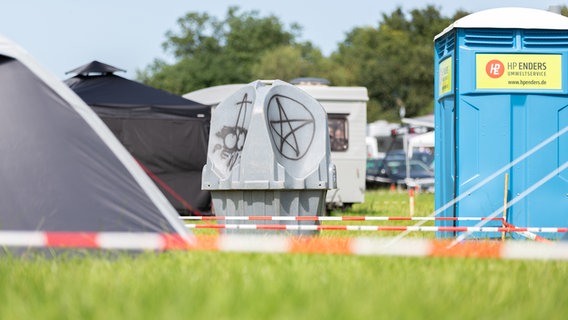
(393, 60)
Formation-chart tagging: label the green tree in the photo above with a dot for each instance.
(210, 52)
(292, 61)
(395, 61)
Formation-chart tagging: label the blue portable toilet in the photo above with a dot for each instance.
(501, 89)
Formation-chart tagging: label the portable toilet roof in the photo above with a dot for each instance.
(63, 171)
(509, 18)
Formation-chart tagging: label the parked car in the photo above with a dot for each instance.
(386, 171)
(425, 157)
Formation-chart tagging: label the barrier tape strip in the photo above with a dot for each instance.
(367, 246)
(93, 240)
(293, 227)
(527, 234)
(342, 218)
(376, 246)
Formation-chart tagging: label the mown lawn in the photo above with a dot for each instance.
(214, 285)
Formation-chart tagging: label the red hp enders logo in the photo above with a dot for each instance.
(495, 69)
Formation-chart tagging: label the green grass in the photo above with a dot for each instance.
(213, 285)
(381, 202)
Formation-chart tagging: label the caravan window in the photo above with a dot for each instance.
(338, 132)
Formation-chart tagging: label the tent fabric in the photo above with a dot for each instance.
(61, 168)
(175, 158)
(95, 67)
(163, 153)
(114, 92)
(164, 132)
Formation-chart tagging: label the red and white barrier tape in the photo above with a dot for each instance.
(385, 247)
(292, 227)
(343, 218)
(527, 234)
(93, 240)
(369, 246)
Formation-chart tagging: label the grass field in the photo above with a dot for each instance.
(213, 285)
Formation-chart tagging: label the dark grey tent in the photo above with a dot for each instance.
(166, 133)
(61, 168)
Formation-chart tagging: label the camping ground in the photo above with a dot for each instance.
(214, 285)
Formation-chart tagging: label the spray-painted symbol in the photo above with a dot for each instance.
(233, 137)
(292, 135)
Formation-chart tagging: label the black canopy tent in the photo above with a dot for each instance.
(166, 133)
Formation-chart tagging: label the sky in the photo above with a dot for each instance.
(128, 34)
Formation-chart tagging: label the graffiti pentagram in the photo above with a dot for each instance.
(233, 137)
(292, 126)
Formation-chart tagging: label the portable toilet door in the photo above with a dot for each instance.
(500, 92)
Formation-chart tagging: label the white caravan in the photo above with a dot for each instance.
(346, 108)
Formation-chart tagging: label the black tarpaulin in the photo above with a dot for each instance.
(166, 133)
(112, 91)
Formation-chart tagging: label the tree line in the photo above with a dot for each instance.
(394, 60)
